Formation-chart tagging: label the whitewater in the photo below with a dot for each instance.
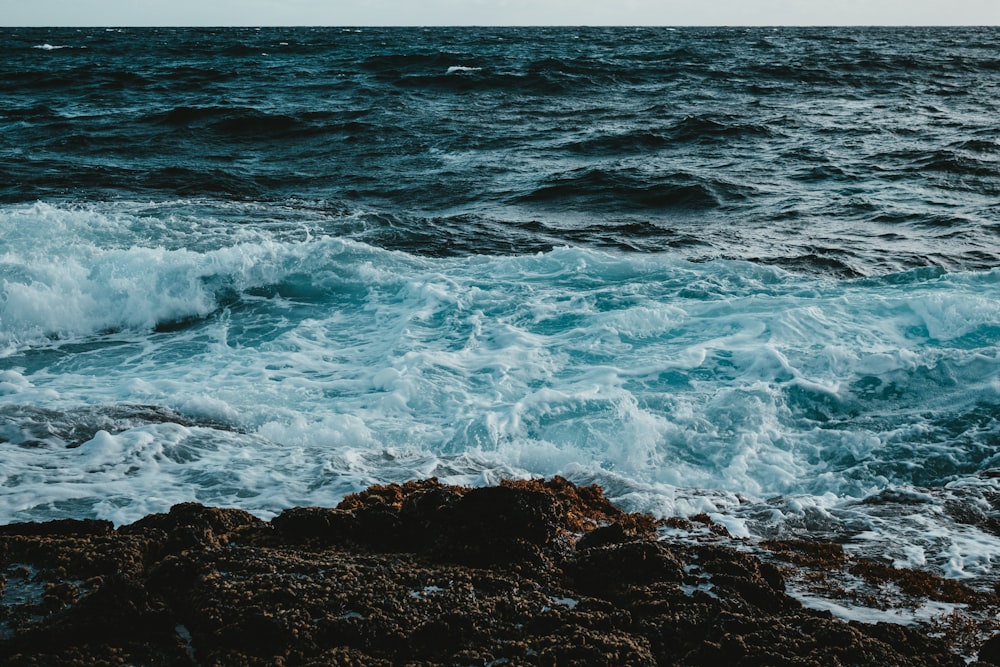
(236, 298)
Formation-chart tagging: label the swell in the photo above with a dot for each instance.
(631, 190)
(703, 129)
(249, 125)
(460, 71)
(746, 140)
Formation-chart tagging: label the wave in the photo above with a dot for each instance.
(721, 375)
(58, 286)
(469, 234)
(232, 121)
(688, 130)
(548, 75)
(983, 146)
(968, 166)
(413, 62)
(631, 190)
(697, 128)
(199, 75)
(462, 69)
(185, 181)
(622, 143)
(235, 125)
(36, 111)
(41, 428)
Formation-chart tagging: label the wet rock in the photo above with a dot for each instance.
(606, 570)
(317, 525)
(533, 573)
(59, 527)
(616, 533)
(190, 525)
(989, 653)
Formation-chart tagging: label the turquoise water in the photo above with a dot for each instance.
(655, 261)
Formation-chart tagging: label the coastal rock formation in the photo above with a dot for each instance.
(525, 573)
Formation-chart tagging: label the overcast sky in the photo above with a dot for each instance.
(498, 12)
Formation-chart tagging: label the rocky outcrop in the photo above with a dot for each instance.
(525, 573)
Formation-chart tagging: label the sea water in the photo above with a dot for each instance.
(748, 272)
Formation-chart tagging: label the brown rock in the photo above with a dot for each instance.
(532, 573)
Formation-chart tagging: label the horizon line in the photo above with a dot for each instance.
(503, 25)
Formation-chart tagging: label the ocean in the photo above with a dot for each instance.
(753, 273)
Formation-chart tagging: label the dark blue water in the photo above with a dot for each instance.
(848, 151)
(752, 272)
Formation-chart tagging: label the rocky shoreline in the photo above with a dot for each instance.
(524, 573)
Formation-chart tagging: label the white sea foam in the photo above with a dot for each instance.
(901, 616)
(12, 382)
(311, 366)
(462, 69)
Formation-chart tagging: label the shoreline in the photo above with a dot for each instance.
(539, 572)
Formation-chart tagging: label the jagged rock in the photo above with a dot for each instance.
(533, 573)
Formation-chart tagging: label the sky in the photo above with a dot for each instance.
(497, 12)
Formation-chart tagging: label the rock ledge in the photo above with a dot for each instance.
(525, 573)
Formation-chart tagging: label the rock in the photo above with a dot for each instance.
(534, 573)
(603, 536)
(60, 527)
(606, 571)
(989, 652)
(319, 525)
(190, 525)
